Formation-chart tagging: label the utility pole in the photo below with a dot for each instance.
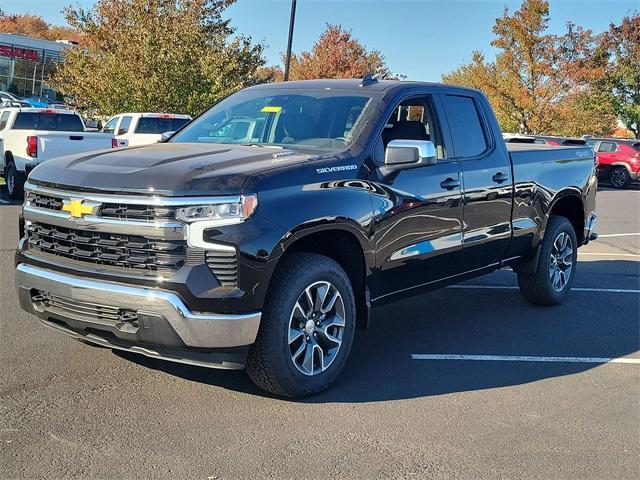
(287, 62)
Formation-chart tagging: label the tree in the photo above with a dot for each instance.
(337, 54)
(36, 27)
(619, 50)
(538, 82)
(154, 55)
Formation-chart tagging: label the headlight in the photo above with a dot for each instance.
(222, 213)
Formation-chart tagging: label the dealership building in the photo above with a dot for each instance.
(25, 64)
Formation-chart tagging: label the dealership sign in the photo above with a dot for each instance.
(17, 52)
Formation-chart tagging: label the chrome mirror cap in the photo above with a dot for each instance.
(401, 152)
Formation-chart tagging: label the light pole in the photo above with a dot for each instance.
(287, 61)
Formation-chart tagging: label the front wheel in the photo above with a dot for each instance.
(619, 177)
(307, 327)
(556, 268)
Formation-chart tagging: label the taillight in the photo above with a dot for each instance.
(114, 143)
(32, 146)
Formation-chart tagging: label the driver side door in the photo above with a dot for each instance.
(418, 210)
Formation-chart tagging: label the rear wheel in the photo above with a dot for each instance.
(556, 268)
(14, 181)
(307, 327)
(619, 177)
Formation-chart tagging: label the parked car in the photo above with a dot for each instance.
(30, 136)
(133, 129)
(15, 104)
(215, 252)
(38, 102)
(6, 96)
(618, 160)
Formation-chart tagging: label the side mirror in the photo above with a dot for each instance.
(410, 153)
(166, 136)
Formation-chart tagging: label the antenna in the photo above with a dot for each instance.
(368, 79)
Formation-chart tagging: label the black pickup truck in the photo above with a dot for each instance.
(261, 234)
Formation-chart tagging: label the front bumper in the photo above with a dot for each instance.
(138, 319)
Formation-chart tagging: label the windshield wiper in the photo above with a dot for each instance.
(263, 145)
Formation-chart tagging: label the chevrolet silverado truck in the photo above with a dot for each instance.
(268, 254)
(29, 136)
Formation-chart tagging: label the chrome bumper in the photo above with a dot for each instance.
(199, 330)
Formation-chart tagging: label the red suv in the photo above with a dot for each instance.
(618, 160)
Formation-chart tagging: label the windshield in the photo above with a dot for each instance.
(323, 120)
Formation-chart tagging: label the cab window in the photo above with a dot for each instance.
(607, 147)
(466, 124)
(110, 127)
(124, 125)
(413, 119)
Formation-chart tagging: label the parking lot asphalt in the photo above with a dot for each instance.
(68, 410)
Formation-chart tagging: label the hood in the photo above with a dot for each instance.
(172, 169)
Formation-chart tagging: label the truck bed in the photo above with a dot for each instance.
(531, 152)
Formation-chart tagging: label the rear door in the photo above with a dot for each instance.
(487, 181)
(418, 214)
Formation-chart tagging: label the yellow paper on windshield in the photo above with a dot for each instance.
(271, 109)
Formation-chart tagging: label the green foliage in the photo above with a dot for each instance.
(619, 51)
(154, 55)
(539, 83)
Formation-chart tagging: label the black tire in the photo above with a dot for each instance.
(269, 363)
(538, 288)
(14, 181)
(619, 178)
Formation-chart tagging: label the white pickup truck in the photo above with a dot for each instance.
(133, 129)
(29, 136)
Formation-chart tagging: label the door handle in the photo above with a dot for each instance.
(500, 177)
(450, 183)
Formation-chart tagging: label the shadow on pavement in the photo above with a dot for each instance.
(483, 321)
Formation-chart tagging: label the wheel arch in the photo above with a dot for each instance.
(570, 204)
(343, 241)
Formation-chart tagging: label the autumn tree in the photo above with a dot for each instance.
(619, 50)
(539, 83)
(337, 54)
(154, 55)
(36, 27)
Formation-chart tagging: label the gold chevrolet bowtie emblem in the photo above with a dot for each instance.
(77, 209)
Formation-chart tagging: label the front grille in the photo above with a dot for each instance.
(48, 202)
(136, 212)
(224, 266)
(125, 252)
(119, 211)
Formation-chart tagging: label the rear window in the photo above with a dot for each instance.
(159, 125)
(48, 121)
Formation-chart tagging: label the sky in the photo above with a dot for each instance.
(421, 39)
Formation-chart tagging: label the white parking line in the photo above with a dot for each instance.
(609, 235)
(518, 358)
(596, 254)
(575, 289)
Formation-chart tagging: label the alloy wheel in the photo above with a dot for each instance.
(561, 262)
(316, 328)
(618, 178)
